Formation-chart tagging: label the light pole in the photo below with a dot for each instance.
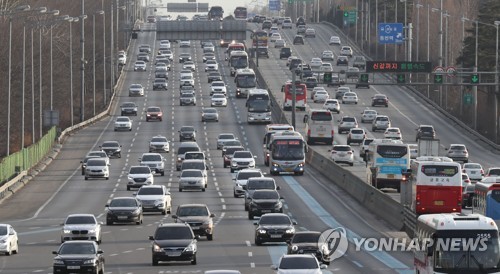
(418, 6)
(406, 31)
(82, 62)
(112, 57)
(71, 20)
(17, 10)
(60, 19)
(497, 88)
(440, 10)
(100, 12)
(104, 57)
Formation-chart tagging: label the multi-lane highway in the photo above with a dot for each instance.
(312, 200)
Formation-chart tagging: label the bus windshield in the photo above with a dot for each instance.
(288, 150)
(392, 151)
(468, 257)
(245, 81)
(439, 171)
(259, 106)
(239, 62)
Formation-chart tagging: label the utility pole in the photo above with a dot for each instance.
(82, 61)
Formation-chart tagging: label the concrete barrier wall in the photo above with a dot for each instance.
(371, 198)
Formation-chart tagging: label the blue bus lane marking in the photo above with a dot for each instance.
(319, 211)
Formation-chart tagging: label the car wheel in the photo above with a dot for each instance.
(180, 189)
(203, 190)
(107, 178)
(162, 173)
(235, 195)
(210, 237)
(9, 252)
(128, 187)
(351, 164)
(193, 261)
(164, 212)
(250, 215)
(155, 261)
(225, 165)
(86, 178)
(109, 222)
(258, 242)
(232, 171)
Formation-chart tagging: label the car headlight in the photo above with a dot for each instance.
(3, 241)
(278, 205)
(130, 178)
(234, 164)
(159, 202)
(207, 222)
(295, 248)
(262, 231)
(275, 165)
(92, 230)
(301, 165)
(66, 231)
(58, 262)
(190, 248)
(179, 159)
(290, 231)
(156, 248)
(90, 262)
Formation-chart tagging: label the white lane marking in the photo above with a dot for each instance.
(250, 254)
(248, 243)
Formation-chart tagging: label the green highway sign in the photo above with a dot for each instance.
(438, 79)
(474, 79)
(468, 99)
(401, 78)
(363, 78)
(327, 77)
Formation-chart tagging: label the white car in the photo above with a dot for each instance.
(211, 65)
(290, 58)
(139, 176)
(168, 54)
(393, 133)
(414, 151)
(241, 160)
(368, 115)
(81, 227)
(356, 135)
(474, 170)
(185, 43)
(218, 87)
(342, 154)
(140, 66)
(279, 43)
(224, 137)
(9, 243)
(241, 180)
(164, 44)
(350, 98)
(122, 59)
(315, 62)
(326, 67)
(161, 67)
(189, 65)
(136, 90)
(123, 123)
(381, 122)
(298, 264)
(154, 161)
(275, 36)
(159, 144)
(316, 89)
(155, 198)
(97, 168)
(332, 105)
(287, 24)
(209, 47)
(218, 100)
(327, 55)
(192, 179)
(310, 32)
(334, 40)
(187, 80)
(320, 96)
(346, 51)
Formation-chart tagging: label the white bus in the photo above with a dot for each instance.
(387, 160)
(287, 153)
(456, 243)
(245, 81)
(319, 126)
(258, 106)
(270, 130)
(238, 59)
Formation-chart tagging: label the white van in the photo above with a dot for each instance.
(319, 126)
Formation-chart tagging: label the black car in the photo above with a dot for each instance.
(285, 52)
(160, 83)
(264, 201)
(112, 148)
(311, 82)
(425, 132)
(214, 76)
(78, 256)
(342, 61)
(187, 133)
(294, 63)
(128, 108)
(298, 39)
(124, 210)
(468, 195)
(300, 21)
(274, 227)
(380, 100)
(174, 242)
(306, 242)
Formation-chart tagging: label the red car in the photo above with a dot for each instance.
(154, 113)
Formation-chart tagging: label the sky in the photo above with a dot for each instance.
(227, 5)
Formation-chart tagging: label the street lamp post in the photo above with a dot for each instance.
(60, 19)
(418, 6)
(104, 57)
(440, 10)
(406, 31)
(497, 88)
(73, 19)
(93, 57)
(82, 62)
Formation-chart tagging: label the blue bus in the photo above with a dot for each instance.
(486, 200)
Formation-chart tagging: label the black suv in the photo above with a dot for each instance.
(112, 148)
(264, 201)
(300, 21)
(425, 132)
(380, 99)
(267, 24)
(274, 227)
(256, 183)
(198, 217)
(81, 256)
(187, 133)
(174, 242)
(298, 39)
(285, 52)
(307, 242)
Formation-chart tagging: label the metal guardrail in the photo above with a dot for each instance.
(410, 221)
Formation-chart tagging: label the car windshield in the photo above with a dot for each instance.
(357, 131)
(348, 119)
(495, 171)
(392, 130)
(226, 136)
(123, 203)
(192, 211)
(135, 86)
(159, 140)
(187, 129)
(97, 153)
(160, 80)
(183, 150)
(139, 170)
(96, 162)
(3, 230)
(128, 105)
(243, 154)
(427, 129)
(73, 220)
(275, 220)
(210, 110)
(213, 74)
(173, 233)
(472, 166)
(153, 110)
(211, 62)
(246, 175)
(187, 95)
(342, 148)
(306, 238)
(122, 119)
(298, 263)
(370, 112)
(77, 248)
(265, 195)
(151, 158)
(260, 184)
(382, 119)
(232, 143)
(191, 173)
(457, 148)
(150, 191)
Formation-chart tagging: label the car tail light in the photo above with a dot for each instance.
(463, 171)
(332, 132)
(349, 152)
(467, 181)
(418, 199)
(309, 132)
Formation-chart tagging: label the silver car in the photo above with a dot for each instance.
(191, 179)
(368, 115)
(136, 90)
(81, 227)
(154, 161)
(224, 137)
(159, 144)
(187, 99)
(209, 114)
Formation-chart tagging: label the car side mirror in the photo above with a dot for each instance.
(54, 252)
(175, 216)
(197, 237)
(106, 206)
(255, 223)
(134, 194)
(273, 267)
(151, 238)
(278, 188)
(282, 198)
(100, 251)
(212, 215)
(294, 223)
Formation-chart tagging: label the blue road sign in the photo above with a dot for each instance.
(390, 33)
(274, 5)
